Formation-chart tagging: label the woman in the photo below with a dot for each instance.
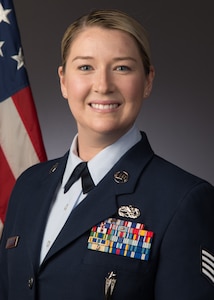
(142, 228)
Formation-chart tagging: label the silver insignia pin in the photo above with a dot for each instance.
(53, 168)
(110, 284)
(121, 177)
(129, 212)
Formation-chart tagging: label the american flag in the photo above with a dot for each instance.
(21, 143)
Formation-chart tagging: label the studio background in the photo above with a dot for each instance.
(177, 117)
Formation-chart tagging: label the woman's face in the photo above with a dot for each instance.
(104, 81)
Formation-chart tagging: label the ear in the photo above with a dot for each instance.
(149, 82)
(62, 82)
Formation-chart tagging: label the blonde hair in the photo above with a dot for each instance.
(109, 19)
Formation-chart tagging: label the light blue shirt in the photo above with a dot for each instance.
(98, 166)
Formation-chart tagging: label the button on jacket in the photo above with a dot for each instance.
(175, 207)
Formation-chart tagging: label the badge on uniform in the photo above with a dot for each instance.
(12, 242)
(121, 237)
(207, 265)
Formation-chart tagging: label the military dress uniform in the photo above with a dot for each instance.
(144, 232)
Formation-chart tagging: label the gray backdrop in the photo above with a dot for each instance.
(178, 116)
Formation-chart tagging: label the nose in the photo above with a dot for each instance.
(103, 82)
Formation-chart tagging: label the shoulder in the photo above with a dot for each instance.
(159, 170)
(36, 178)
(173, 182)
(172, 172)
(38, 175)
(42, 169)
(164, 177)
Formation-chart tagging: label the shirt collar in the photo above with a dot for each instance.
(100, 164)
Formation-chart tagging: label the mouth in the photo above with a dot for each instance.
(105, 107)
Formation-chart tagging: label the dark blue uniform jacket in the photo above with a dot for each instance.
(174, 208)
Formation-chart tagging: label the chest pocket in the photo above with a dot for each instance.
(120, 243)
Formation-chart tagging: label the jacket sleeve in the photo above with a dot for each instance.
(3, 269)
(186, 264)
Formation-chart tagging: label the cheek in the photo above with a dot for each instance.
(75, 87)
(76, 94)
(133, 91)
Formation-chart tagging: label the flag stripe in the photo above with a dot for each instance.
(18, 157)
(7, 181)
(24, 103)
(21, 143)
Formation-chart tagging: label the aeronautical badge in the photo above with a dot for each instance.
(129, 212)
(121, 237)
(207, 265)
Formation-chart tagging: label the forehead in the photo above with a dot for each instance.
(98, 37)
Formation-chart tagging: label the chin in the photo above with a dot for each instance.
(114, 133)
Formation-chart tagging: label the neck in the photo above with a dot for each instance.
(91, 145)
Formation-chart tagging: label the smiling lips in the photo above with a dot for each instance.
(104, 106)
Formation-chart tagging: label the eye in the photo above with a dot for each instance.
(123, 68)
(85, 68)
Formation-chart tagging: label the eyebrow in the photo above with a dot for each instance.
(125, 58)
(82, 57)
(114, 59)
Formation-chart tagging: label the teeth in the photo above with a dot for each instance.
(104, 106)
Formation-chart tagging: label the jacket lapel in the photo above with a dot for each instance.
(41, 201)
(101, 202)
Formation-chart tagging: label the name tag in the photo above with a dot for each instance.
(12, 242)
